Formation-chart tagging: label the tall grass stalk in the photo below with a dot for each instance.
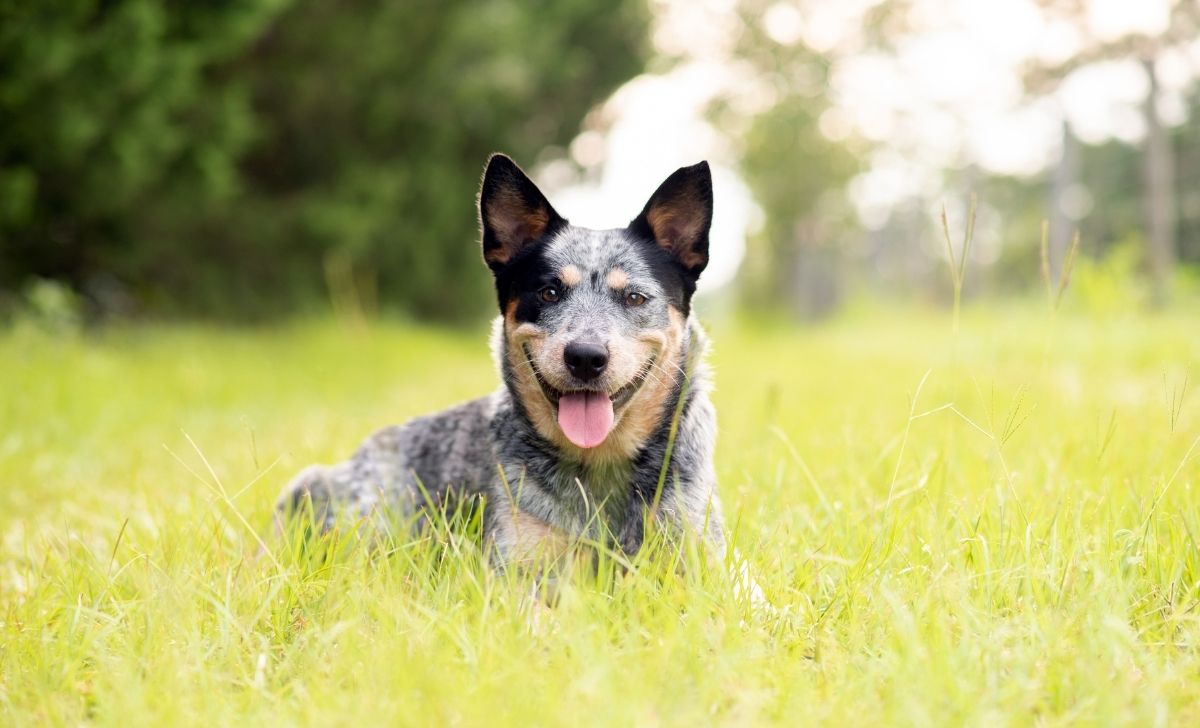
(1055, 288)
(958, 265)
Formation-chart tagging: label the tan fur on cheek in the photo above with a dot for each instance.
(626, 357)
(643, 413)
(529, 392)
(525, 333)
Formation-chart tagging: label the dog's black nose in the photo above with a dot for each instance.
(586, 359)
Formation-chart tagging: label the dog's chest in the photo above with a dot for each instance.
(591, 491)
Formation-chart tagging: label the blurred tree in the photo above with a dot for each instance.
(243, 157)
(1187, 142)
(1157, 173)
(795, 172)
(1111, 212)
(797, 177)
(1141, 198)
(104, 106)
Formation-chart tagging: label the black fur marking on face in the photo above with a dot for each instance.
(677, 283)
(521, 280)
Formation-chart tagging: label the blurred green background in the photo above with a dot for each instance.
(254, 159)
(982, 514)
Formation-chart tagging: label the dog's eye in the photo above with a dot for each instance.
(633, 298)
(550, 294)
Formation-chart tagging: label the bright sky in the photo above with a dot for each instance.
(951, 96)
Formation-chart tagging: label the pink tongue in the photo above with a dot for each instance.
(585, 417)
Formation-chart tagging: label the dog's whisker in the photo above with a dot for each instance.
(652, 376)
(666, 374)
(674, 364)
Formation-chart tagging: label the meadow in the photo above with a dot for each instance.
(994, 525)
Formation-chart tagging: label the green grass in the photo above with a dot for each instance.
(1014, 542)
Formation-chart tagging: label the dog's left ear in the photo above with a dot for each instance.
(513, 212)
(678, 216)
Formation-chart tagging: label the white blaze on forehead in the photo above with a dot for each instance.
(570, 275)
(617, 278)
(576, 246)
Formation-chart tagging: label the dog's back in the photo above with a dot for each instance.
(402, 468)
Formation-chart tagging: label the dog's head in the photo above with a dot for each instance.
(594, 320)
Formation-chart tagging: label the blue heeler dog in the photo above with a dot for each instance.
(603, 416)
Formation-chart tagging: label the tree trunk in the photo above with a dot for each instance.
(811, 278)
(1158, 186)
(1066, 176)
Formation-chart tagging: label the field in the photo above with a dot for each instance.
(991, 527)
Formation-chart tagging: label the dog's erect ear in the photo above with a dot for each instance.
(679, 215)
(512, 211)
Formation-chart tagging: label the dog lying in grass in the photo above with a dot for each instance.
(602, 423)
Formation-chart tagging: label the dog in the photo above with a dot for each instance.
(603, 421)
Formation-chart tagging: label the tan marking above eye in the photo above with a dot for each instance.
(570, 275)
(617, 278)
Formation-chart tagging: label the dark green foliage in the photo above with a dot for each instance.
(108, 108)
(241, 158)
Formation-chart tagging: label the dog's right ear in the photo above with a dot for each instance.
(513, 212)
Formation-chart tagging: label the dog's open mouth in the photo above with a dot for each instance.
(587, 416)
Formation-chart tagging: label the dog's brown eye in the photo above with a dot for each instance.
(550, 294)
(634, 298)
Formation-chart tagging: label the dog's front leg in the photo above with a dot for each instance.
(533, 548)
(518, 538)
